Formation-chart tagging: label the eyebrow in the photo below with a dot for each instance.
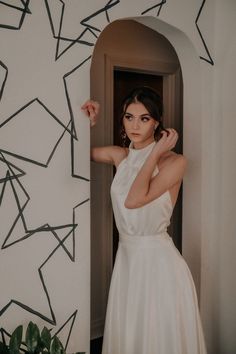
(142, 115)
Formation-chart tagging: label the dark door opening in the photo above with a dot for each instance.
(124, 82)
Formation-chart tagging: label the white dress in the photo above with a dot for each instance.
(152, 306)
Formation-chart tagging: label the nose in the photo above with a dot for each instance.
(135, 123)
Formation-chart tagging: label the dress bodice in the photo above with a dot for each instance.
(150, 219)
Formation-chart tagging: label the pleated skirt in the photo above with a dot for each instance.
(152, 306)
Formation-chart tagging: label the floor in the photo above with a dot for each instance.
(96, 346)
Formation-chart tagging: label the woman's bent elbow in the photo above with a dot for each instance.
(131, 204)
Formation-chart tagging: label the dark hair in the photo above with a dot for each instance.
(151, 101)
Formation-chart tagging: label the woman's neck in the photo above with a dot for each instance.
(141, 145)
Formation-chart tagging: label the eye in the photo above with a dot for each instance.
(128, 117)
(145, 119)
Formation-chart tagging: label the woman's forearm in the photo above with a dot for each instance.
(143, 188)
(140, 186)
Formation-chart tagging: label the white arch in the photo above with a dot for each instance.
(192, 122)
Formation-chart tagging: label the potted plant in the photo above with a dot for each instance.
(33, 343)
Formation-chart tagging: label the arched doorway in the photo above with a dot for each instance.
(112, 62)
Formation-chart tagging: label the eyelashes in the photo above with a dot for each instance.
(128, 117)
(143, 118)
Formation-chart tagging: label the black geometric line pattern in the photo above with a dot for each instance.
(108, 6)
(8, 176)
(4, 334)
(159, 5)
(25, 10)
(72, 319)
(29, 232)
(70, 128)
(11, 176)
(73, 131)
(40, 163)
(61, 38)
(11, 182)
(80, 39)
(73, 174)
(209, 59)
(5, 78)
(52, 319)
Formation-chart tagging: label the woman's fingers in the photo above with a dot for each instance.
(169, 138)
(91, 105)
(172, 134)
(96, 106)
(172, 137)
(91, 109)
(85, 104)
(168, 133)
(88, 102)
(164, 134)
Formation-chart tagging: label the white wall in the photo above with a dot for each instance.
(29, 55)
(219, 244)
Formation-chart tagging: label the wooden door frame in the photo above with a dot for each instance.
(171, 73)
(171, 81)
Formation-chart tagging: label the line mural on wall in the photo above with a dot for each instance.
(159, 6)
(32, 136)
(46, 49)
(209, 58)
(17, 20)
(4, 73)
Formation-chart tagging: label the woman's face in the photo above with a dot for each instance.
(139, 125)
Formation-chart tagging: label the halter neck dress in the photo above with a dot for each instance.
(152, 305)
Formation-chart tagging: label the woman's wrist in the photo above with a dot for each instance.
(92, 121)
(156, 153)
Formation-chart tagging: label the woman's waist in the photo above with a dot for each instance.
(125, 238)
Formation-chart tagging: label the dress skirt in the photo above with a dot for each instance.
(152, 306)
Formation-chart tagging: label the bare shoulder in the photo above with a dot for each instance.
(119, 153)
(111, 154)
(171, 157)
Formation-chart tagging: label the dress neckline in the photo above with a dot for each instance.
(138, 156)
(149, 146)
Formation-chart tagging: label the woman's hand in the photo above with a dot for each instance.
(91, 109)
(146, 187)
(167, 142)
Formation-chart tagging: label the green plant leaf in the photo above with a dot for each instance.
(46, 338)
(3, 348)
(32, 336)
(15, 340)
(57, 347)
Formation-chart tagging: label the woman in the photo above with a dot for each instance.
(152, 306)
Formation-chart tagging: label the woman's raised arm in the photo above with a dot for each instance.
(106, 154)
(146, 188)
